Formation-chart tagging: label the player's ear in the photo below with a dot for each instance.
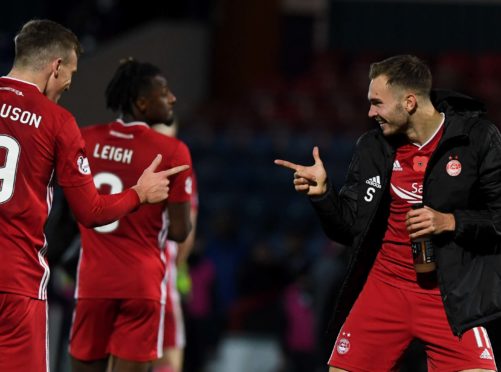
(141, 104)
(55, 66)
(410, 103)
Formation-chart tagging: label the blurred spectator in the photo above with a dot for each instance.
(202, 330)
(300, 336)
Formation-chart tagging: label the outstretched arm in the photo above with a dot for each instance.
(92, 209)
(336, 211)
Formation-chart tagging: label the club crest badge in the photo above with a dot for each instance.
(343, 344)
(453, 167)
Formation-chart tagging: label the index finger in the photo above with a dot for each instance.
(155, 163)
(414, 212)
(288, 164)
(172, 171)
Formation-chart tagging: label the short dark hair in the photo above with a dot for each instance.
(41, 40)
(131, 79)
(406, 71)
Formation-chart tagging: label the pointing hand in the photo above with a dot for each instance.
(309, 180)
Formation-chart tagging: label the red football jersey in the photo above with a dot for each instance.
(126, 259)
(39, 141)
(394, 261)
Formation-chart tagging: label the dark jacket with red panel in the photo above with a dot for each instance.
(469, 259)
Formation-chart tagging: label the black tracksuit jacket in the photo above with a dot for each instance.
(469, 259)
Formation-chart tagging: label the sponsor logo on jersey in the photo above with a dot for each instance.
(409, 196)
(397, 167)
(83, 165)
(374, 181)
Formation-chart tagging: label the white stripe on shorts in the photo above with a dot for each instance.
(477, 337)
(486, 338)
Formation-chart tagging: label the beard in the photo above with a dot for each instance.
(170, 120)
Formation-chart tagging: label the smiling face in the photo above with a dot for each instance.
(387, 106)
(157, 104)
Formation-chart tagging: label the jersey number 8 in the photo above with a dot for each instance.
(116, 185)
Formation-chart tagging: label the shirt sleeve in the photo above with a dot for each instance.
(92, 209)
(181, 184)
(72, 165)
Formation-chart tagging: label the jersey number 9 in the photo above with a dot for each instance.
(9, 169)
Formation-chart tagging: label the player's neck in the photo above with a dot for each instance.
(164, 129)
(424, 127)
(34, 77)
(127, 118)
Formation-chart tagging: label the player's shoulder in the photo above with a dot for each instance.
(58, 114)
(171, 148)
(27, 97)
(369, 138)
(52, 109)
(166, 142)
(94, 128)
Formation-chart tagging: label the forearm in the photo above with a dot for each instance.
(336, 215)
(179, 221)
(92, 209)
(185, 248)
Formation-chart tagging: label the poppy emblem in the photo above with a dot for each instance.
(420, 163)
